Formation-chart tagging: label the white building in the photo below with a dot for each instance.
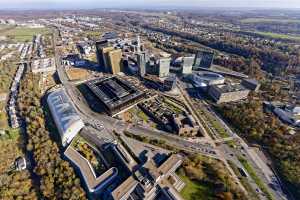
(187, 64)
(67, 120)
(164, 67)
(46, 65)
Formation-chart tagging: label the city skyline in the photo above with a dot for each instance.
(88, 4)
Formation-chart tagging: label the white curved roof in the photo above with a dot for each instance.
(65, 116)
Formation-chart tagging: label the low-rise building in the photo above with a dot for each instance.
(149, 181)
(185, 125)
(251, 84)
(170, 83)
(115, 94)
(93, 183)
(228, 92)
(20, 163)
(67, 120)
(289, 114)
(182, 123)
(46, 65)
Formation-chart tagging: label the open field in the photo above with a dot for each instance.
(22, 34)
(269, 20)
(194, 190)
(279, 36)
(4, 26)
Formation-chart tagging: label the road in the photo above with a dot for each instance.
(190, 105)
(262, 170)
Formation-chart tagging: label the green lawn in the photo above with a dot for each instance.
(195, 191)
(22, 34)
(216, 124)
(256, 179)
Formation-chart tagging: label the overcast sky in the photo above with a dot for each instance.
(64, 4)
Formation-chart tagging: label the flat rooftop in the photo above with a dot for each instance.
(114, 92)
(227, 88)
(143, 150)
(147, 177)
(92, 182)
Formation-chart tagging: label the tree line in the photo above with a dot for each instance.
(56, 177)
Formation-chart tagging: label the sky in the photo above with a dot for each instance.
(86, 4)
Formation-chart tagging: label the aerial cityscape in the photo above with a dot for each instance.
(150, 101)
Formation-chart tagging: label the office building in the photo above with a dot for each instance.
(105, 58)
(228, 92)
(100, 45)
(170, 83)
(164, 67)
(115, 94)
(187, 64)
(114, 61)
(203, 59)
(141, 61)
(150, 181)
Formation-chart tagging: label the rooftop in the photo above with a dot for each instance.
(63, 109)
(93, 183)
(227, 88)
(114, 92)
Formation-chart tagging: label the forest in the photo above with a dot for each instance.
(57, 179)
(265, 129)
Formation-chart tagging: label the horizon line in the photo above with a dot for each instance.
(152, 8)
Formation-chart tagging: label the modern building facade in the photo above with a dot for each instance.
(170, 83)
(187, 64)
(141, 61)
(67, 120)
(164, 67)
(203, 59)
(105, 58)
(93, 183)
(251, 84)
(100, 45)
(203, 79)
(150, 181)
(228, 92)
(46, 65)
(115, 61)
(115, 94)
